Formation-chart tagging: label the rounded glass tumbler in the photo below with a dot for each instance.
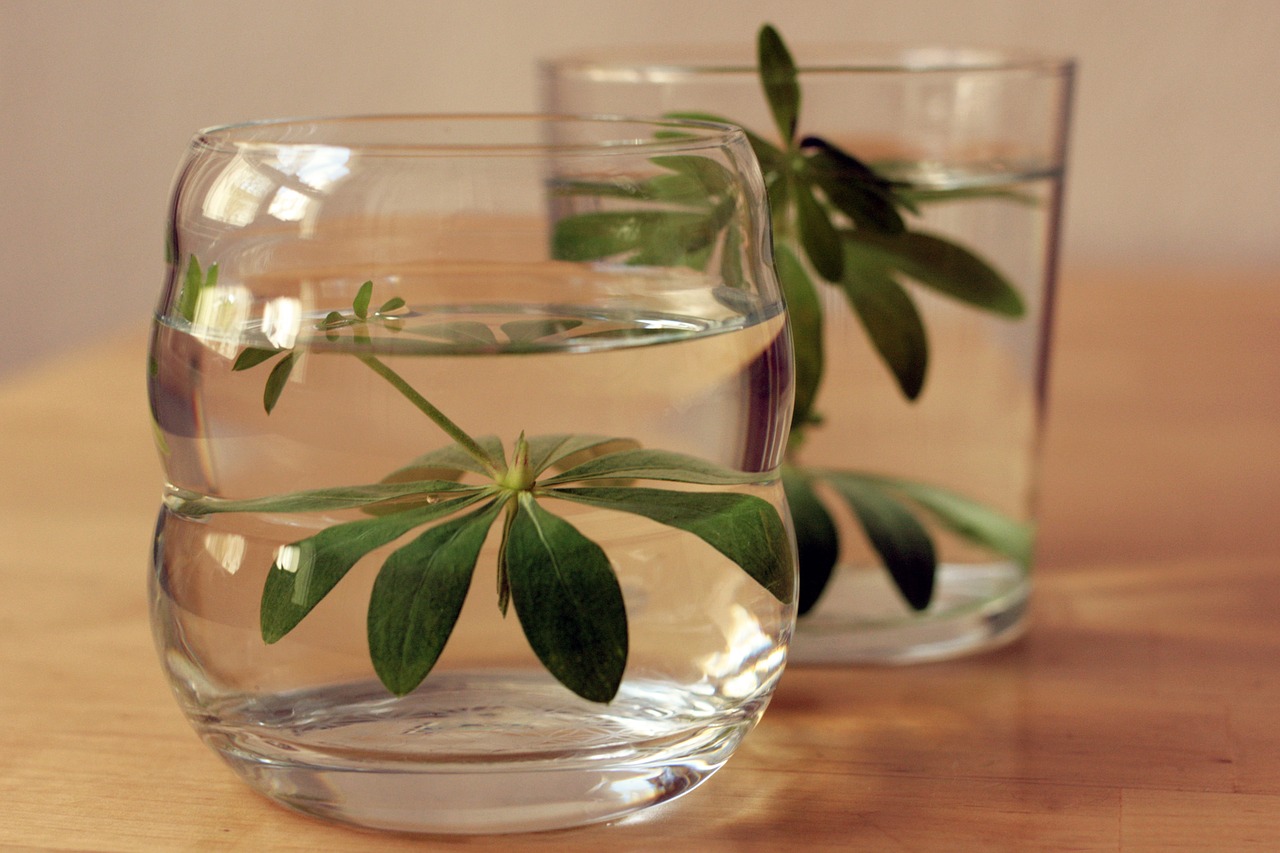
(467, 528)
(922, 353)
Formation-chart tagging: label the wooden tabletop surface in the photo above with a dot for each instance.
(1140, 712)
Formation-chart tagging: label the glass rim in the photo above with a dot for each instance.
(308, 132)
(819, 59)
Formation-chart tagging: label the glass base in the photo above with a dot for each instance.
(861, 618)
(462, 758)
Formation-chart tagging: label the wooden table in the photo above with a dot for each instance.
(1142, 711)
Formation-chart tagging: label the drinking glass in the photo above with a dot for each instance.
(921, 356)
(463, 532)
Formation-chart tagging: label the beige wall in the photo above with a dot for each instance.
(1174, 157)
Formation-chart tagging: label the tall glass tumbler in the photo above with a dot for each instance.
(921, 353)
(463, 532)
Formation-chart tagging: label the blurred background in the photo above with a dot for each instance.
(1174, 153)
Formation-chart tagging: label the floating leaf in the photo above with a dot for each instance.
(395, 303)
(528, 331)
(312, 500)
(465, 332)
(449, 462)
(418, 595)
(746, 529)
(644, 464)
(548, 450)
(568, 601)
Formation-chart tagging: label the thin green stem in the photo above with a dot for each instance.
(438, 417)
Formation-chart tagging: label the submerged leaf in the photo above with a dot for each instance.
(568, 601)
(816, 537)
(944, 266)
(804, 309)
(970, 519)
(253, 356)
(276, 381)
(548, 450)
(418, 595)
(900, 540)
(744, 528)
(306, 571)
(890, 319)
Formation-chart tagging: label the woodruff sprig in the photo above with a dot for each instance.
(560, 582)
(836, 219)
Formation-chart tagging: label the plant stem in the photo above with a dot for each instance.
(438, 417)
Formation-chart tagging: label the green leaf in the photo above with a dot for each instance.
(947, 267)
(778, 77)
(663, 236)
(361, 303)
(395, 303)
(804, 309)
(253, 356)
(189, 295)
(710, 179)
(418, 595)
(644, 464)
(276, 381)
(528, 331)
(313, 566)
(449, 462)
(899, 539)
(819, 237)
(548, 450)
(568, 601)
(816, 537)
(746, 529)
(852, 187)
(890, 319)
(312, 500)
(466, 332)
(974, 521)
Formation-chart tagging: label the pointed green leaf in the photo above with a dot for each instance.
(276, 381)
(778, 77)
(568, 601)
(418, 595)
(313, 500)
(852, 187)
(361, 303)
(548, 450)
(745, 528)
(466, 332)
(804, 309)
(528, 331)
(890, 318)
(816, 538)
(395, 303)
(449, 462)
(663, 236)
(189, 294)
(819, 237)
(947, 267)
(253, 356)
(643, 464)
(970, 519)
(306, 571)
(899, 539)
(709, 177)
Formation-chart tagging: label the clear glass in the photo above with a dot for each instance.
(476, 305)
(979, 138)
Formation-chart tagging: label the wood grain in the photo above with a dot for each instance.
(1139, 713)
